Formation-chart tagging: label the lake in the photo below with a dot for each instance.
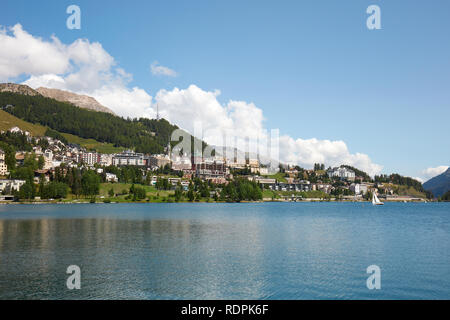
(225, 251)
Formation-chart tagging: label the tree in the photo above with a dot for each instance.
(90, 183)
(41, 162)
(111, 192)
(241, 189)
(54, 190)
(178, 193)
(28, 190)
(138, 193)
(10, 155)
(445, 197)
(191, 193)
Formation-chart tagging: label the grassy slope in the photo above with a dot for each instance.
(279, 176)
(7, 121)
(119, 187)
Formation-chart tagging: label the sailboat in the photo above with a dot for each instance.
(376, 201)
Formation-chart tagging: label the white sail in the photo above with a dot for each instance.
(375, 200)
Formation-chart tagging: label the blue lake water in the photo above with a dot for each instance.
(225, 251)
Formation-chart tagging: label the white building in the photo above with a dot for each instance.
(106, 160)
(10, 185)
(110, 177)
(358, 188)
(15, 130)
(3, 166)
(342, 173)
(128, 158)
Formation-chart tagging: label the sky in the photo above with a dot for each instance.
(337, 91)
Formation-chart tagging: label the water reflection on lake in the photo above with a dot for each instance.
(225, 251)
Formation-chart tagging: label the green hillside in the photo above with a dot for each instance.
(7, 121)
(92, 144)
(142, 135)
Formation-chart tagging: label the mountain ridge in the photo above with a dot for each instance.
(79, 100)
(18, 88)
(439, 185)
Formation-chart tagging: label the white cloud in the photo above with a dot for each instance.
(158, 69)
(242, 119)
(86, 68)
(82, 67)
(432, 172)
(21, 53)
(332, 153)
(132, 103)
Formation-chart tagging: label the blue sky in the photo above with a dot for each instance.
(313, 67)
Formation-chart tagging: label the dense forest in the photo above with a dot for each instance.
(142, 135)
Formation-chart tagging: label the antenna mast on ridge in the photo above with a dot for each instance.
(157, 111)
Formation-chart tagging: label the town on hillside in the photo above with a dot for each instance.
(50, 169)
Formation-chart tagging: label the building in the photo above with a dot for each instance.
(297, 187)
(174, 181)
(20, 158)
(158, 161)
(45, 173)
(110, 177)
(181, 163)
(128, 158)
(210, 170)
(342, 173)
(9, 186)
(3, 166)
(260, 180)
(324, 187)
(106, 160)
(90, 158)
(359, 188)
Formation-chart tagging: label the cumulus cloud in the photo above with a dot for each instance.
(432, 172)
(85, 67)
(158, 69)
(332, 153)
(82, 67)
(21, 53)
(246, 122)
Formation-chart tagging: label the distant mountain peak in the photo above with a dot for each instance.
(81, 101)
(439, 184)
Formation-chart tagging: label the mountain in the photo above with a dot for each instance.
(78, 100)
(143, 135)
(18, 88)
(81, 101)
(439, 184)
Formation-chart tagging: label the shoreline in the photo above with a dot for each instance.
(207, 202)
